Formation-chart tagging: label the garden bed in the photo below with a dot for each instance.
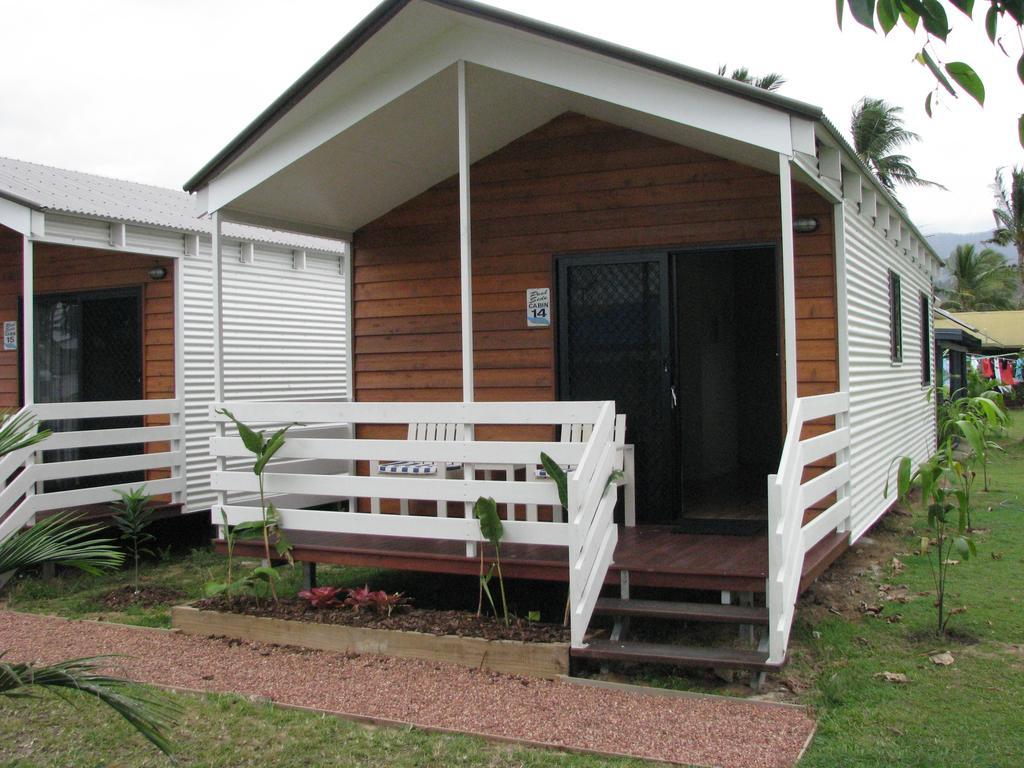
(526, 648)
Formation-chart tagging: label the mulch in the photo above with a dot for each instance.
(145, 597)
(429, 620)
(692, 730)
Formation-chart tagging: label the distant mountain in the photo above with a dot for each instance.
(945, 242)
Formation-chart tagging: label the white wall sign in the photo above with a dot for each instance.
(10, 335)
(538, 307)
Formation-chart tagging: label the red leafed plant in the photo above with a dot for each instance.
(359, 598)
(321, 597)
(385, 603)
(382, 602)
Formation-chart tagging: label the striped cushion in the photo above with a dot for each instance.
(542, 474)
(413, 468)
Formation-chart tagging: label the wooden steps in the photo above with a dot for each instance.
(659, 609)
(678, 655)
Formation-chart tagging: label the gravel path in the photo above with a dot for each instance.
(691, 730)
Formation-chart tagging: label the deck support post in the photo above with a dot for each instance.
(465, 273)
(843, 333)
(28, 327)
(28, 338)
(177, 419)
(217, 286)
(308, 575)
(788, 280)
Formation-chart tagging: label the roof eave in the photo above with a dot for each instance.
(387, 10)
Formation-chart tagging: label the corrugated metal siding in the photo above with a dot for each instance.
(890, 412)
(95, 233)
(284, 339)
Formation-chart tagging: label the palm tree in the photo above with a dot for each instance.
(979, 280)
(770, 82)
(1009, 213)
(58, 539)
(878, 131)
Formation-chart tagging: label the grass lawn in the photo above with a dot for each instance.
(966, 714)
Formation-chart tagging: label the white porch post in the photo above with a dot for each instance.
(788, 280)
(28, 339)
(843, 341)
(178, 416)
(465, 243)
(466, 275)
(217, 286)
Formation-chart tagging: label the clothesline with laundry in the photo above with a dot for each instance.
(1006, 369)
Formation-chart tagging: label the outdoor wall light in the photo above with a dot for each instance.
(158, 273)
(805, 225)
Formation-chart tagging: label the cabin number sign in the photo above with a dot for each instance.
(538, 307)
(10, 335)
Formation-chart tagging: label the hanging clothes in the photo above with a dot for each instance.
(1018, 371)
(1006, 369)
(986, 369)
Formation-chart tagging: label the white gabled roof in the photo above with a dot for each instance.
(46, 188)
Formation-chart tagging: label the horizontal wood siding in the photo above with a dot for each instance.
(573, 185)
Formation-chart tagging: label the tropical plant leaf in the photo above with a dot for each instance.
(888, 15)
(968, 79)
(486, 512)
(864, 12)
(252, 440)
(560, 477)
(148, 714)
(934, 18)
(926, 59)
(60, 539)
(992, 23)
(272, 446)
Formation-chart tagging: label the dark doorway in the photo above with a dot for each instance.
(88, 347)
(730, 385)
(615, 343)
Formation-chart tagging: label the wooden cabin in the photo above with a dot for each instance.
(548, 230)
(113, 347)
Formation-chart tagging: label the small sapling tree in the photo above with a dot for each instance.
(133, 514)
(486, 512)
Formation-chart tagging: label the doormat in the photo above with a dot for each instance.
(721, 526)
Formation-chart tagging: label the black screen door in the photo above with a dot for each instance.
(88, 347)
(615, 344)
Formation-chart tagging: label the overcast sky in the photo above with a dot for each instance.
(149, 90)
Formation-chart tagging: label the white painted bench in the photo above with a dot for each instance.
(421, 469)
(624, 463)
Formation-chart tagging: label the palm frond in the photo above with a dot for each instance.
(61, 540)
(149, 715)
(19, 430)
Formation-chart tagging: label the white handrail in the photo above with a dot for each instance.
(22, 473)
(789, 497)
(589, 533)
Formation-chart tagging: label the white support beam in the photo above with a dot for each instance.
(247, 253)
(299, 259)
(177, 417)
(465, 241)
(28, 341)
(830, 163)
(191, 246)
(788, 280)
(118, 234)
(869, 201)
(217, 285)
(852, 186)
(346, 270)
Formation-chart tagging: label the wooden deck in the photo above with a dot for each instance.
(655, 556)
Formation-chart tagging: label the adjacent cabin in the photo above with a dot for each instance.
(553, 238)
(105, 299)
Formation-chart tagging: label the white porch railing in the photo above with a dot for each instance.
(589, 534)
(789, 497)
(23, 473)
